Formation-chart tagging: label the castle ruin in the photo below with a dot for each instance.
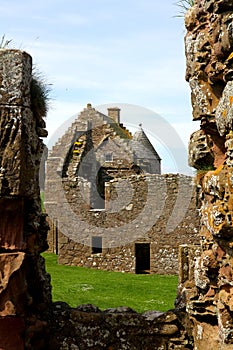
(202, 318)
(109, 206)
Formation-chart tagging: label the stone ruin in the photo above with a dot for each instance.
(25, 291)
(89, 199)
(209, 71)
(28, 318)
(203, 316)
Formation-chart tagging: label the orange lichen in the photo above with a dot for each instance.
(229, 57)
(224, 113)
(216, 171)
(231, 100)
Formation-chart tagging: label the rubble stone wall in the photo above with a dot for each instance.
(113, 329)
(141, 214)
(208, 290)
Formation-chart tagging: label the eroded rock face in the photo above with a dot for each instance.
(200, 152)
(209, 42)
(25, 290)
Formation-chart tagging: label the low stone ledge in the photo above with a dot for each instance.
(87, 327)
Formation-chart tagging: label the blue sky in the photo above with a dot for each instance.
(106, 52)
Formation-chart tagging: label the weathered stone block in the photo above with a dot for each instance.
(15, 77)
(19, 150)
(224, 111)
(200, 93)
(14, 297)
(200, 153)
(11, 223)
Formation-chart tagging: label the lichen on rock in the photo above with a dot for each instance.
(209, 72)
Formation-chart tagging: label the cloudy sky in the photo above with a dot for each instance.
(118, 52)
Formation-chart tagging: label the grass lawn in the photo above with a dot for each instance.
(79, 285)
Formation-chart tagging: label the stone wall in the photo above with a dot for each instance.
(155, 209)
(25, 287)
(208, 290)
(117, 329)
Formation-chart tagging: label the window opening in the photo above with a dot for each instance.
(108, 157)
(96, 245)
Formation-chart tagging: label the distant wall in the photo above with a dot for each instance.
(145, 213)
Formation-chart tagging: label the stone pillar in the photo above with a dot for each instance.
(209, 45)
(25, 288)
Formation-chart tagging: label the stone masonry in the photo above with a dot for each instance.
(202, 317)
(28, 318)
(146, 216)
(139, 215)
(25, 287)
(208, 291)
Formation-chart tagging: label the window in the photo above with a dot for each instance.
(96, 245)
(97, 193)
(108, 157)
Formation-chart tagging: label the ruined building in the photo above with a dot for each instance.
(203, 316)
(116, 209)
(28, 318)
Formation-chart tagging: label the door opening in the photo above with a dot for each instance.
(142, 254)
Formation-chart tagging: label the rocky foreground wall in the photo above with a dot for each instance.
(24, 285)
(209, 293)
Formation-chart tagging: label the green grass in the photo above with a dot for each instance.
(42, 200)
(78, 285)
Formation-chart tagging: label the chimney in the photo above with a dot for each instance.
(114, 113)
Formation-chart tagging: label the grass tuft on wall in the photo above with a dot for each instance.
(184, 6)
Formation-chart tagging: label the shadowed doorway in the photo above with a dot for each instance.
(142, 254)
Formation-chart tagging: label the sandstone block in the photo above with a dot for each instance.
(18, 171)
(224, 111)
(15, 77)
(200, 153)
(11, 224)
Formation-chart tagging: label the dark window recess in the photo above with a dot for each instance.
(108, 157)
(96, 245)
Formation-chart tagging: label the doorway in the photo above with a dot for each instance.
(142, 254)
